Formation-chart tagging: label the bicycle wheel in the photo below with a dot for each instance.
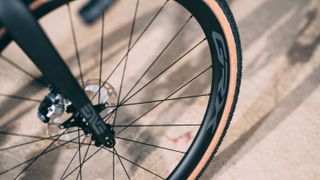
(168, 73)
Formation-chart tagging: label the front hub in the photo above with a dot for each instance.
(58, 114)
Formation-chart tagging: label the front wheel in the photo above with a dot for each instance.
(167, 72)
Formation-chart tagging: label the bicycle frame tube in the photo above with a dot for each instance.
(27, 33)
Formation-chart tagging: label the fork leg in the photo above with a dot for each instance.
(28, 34)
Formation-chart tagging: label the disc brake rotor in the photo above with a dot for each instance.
(106, 95)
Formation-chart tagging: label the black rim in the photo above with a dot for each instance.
(209, 124)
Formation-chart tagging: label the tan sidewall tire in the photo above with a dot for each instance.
(219, 13)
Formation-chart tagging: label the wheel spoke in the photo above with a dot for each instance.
(31, 136)
(19, 98)
(109, 115)
(85, 156)
(74, 156)
(163, 71)
(38, 156)
(38, 139)
(113, 164)
(75, 43)
(145, 169)
(152, 145)
(84, 160)
(158, 75)
(101, 55)
(126, 60)
(79, 151)
(159, 56)
(125, 170)
(159, 125)
(160, 100)
(151, 109)
(69, 164)
(37, 79)
(134, 44)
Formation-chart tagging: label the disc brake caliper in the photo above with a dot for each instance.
(53, 106)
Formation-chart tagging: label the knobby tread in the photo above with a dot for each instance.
(225, 8)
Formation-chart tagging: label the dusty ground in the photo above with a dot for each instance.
(275, 130)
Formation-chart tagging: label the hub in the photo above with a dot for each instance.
(58, 114)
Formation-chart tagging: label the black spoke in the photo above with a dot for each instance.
(163, 71)
(166, 69)
(109, 115)
(79, 151)
(74, 156)
(85, 160)
(39, 155)
(19, 98)
(6, 59)
(23, 144)
(158, 75)
(159, 125)
(159, 56)
(101, 54)
(126, 60)
(136, 164)
(69, 164)
(85, 156)
(75, 44)
(31, 136)
(113, 164)
(151, 109)
(152, 145)
(134, 44)
(160, 100)
(36, 157)
(125, 170)
(38, 139)
(87, 150)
